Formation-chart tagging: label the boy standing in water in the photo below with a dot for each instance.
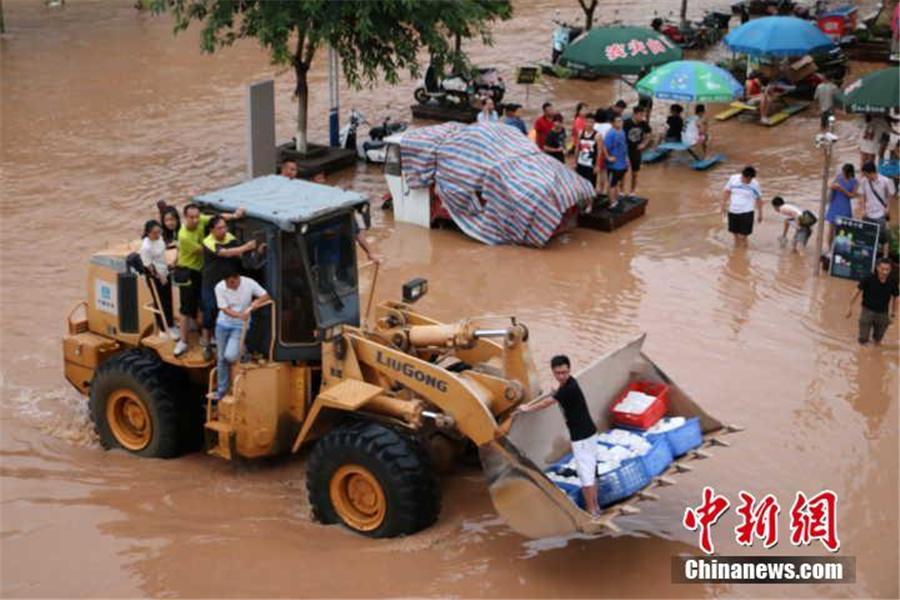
(582, 431)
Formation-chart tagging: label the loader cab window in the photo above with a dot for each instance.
(332, 256)
(392, 160)
(297, 322)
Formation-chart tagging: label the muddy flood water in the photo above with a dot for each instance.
(104, 112)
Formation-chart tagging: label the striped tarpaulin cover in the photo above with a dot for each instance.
(496, 183)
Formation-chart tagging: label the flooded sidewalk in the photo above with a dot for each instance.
(104, 112)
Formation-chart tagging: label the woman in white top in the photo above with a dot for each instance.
(153, 255)
(488, 114)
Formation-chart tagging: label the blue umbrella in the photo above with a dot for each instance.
(778, 36)
(690, 81)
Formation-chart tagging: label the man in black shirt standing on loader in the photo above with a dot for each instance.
(582, 431)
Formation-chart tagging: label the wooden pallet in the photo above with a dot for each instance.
(604, 219)
(784, 114)
(707, 163)
(735, 108)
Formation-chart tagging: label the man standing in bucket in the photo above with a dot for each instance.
(582, 431)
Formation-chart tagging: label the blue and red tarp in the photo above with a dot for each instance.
(497, 185)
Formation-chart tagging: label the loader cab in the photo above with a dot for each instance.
(309, 264)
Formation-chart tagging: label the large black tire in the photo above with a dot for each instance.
(412, 497)
(174, 423)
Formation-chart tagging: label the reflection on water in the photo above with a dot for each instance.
(104, 112)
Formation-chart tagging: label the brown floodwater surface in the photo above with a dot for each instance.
(104, 112)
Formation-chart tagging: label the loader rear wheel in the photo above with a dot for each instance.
(374, 479)
(134, 406)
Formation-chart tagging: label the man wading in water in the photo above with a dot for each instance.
(878, 293)
(741, 199)
(582, 431)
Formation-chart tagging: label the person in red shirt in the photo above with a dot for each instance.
(544, 124)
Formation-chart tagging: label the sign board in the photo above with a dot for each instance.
(261, 128)
(527, 75)
(855, 248)
(105, 297)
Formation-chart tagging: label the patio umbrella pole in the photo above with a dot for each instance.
(824, 141)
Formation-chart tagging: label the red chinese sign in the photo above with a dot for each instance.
(815, 519)
(636, 47)
(759, 520)
(811, 519)
(705, 516)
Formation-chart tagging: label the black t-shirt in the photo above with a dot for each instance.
(635, 133)
(876, 296)
(575, 410)
(555, 139)
(216, 267)
(675, 124)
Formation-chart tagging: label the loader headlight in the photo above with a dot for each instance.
(414, 289)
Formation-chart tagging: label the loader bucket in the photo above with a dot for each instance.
(514, 464)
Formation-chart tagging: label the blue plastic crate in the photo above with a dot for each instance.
(658, 458)
(613, 486)
(628, 479)
(573, 491)
(685, 438)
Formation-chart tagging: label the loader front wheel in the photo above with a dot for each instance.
(373, 479)
(133, 406)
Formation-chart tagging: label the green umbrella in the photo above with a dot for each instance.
(620, 50)
(690, 81)
(877, 92)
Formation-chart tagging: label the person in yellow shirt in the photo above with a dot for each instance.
(221, 254)
(189, 267)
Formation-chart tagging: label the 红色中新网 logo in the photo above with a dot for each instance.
(811, 518)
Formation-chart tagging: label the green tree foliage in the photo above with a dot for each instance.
(374, 39)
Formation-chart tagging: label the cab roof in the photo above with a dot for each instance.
(282, 201)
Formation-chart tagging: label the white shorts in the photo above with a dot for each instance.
(584, 453)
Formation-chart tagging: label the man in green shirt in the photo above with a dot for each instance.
(190, 267)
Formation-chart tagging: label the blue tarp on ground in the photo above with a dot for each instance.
(497, 185)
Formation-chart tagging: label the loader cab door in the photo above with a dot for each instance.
(331, 248)
(317, 285)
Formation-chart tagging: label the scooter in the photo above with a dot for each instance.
(460, 90)
(374, 149)
(563, 35)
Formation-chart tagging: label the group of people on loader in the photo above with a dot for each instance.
(198, 254)
(205, 268)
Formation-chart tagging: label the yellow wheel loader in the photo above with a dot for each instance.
(384, 397)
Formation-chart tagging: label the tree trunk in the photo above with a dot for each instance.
(302, 92)
(302, 61)
(684, 10)
(588, 6)
(2, 22)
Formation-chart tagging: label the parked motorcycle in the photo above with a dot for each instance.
(459, 89)
(771, 8)
(694, 34)
(374, 149)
